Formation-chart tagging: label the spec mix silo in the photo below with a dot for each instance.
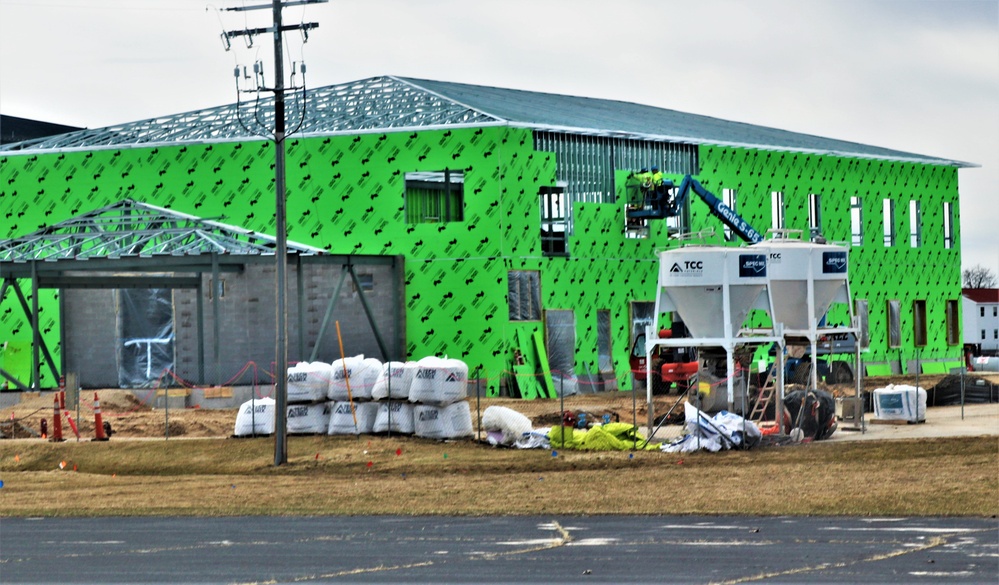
(806, 278)
(713, 289)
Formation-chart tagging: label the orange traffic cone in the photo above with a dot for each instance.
(56, 419)
(72, 424)
(98, 421)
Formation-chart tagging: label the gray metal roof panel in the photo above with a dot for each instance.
(599, 116)
(397, 103)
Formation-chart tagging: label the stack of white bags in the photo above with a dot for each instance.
(358, 395)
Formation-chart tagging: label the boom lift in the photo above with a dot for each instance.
(659, 203)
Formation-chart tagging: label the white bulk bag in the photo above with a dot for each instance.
(442, 422)
(458, 420)
(439, 381)
(363, 379)
(308, 382)
(900, 402)
(396, 386)
(454, 384)
(426, 386)
(255, 417)
(342, 419)
(510, 423)
(401, 415)
(342, 371)
(308, 418)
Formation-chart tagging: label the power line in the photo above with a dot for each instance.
(277, 29)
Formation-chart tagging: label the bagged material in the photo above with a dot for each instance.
(342, 419)
(308, 382)
(724, 430)
(442, 422)
(393, 416)
(342, 373)
(900, 402)
(507, 421)
(308, 419)
(439, 381)
(398, 385)
(255, 417)
(362, 381)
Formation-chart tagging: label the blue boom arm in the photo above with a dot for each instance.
(718, 209)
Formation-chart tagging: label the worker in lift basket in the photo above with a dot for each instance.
(661, 198)
(643, 181)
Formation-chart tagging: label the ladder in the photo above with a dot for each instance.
(767, 394)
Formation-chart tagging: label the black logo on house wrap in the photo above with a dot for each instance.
(752, 265)
(834, 263)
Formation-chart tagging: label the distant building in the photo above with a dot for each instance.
(14, 129)
(981, 320)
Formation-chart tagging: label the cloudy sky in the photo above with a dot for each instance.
(915, 75)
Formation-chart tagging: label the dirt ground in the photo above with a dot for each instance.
(129, 418)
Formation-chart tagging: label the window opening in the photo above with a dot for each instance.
(367, 282)
(212, 288)
(948, 225)
(919, 323)
(953, 323)
(894, 323)
(814, 215)
(915, 224)
(554, 221)
(605, 363)
(731, 200)
(435, 196)
(560, 341)
(856, 221)
(862, 312)
(888, 208)
(524, 295)
(777, 210)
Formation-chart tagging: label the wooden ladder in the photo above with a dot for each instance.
(767, 394)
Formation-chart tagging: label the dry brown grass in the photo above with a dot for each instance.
(223, 477)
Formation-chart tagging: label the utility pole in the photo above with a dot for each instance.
(280, 210)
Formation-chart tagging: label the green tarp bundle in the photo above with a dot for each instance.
(616, 436)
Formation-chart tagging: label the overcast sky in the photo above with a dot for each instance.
(915, 75)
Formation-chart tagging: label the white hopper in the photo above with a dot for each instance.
(308, 382)
(442, 422)
(792, 263)
(308, 418)
(342, 371)
(393, 416)
(396, 386)
(342, 419)
(692, 282)
(255, 417)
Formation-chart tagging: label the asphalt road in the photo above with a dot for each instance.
(590, 549)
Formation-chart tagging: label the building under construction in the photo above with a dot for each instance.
(492, 225)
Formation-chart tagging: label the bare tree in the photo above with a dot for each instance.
(979, 276)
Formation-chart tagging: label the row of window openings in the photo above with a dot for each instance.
(995, 311)
(438, 197)
(919, 330)
(995, 334)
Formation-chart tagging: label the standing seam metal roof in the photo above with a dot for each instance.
(396, 103)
